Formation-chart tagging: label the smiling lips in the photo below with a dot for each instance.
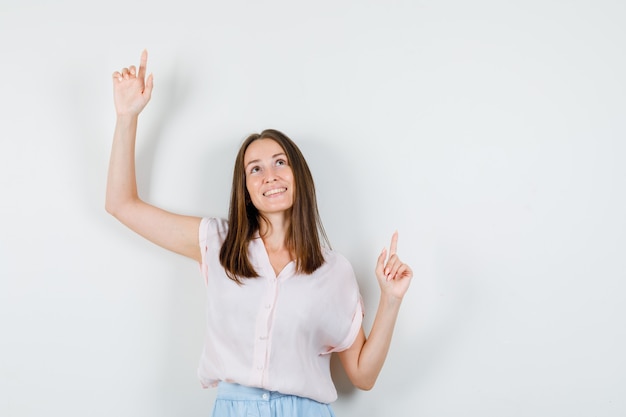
(274, 191)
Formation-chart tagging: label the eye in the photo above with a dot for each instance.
(280, 162)
(254, 169)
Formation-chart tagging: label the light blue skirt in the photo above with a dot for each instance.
(235, 400)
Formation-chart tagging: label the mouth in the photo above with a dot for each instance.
(274, 191)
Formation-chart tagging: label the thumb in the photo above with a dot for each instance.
(380, 264)
(147, 91)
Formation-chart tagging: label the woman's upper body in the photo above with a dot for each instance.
(266, 206)
(276, 331)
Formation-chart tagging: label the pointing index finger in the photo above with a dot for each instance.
(394, 244)
(142, 65)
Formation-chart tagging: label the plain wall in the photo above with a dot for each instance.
(491, 134)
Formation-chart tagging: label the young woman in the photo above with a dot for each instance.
(279, 301)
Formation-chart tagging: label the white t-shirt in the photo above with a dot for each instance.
(276, 332)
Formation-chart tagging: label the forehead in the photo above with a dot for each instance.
(262, 149)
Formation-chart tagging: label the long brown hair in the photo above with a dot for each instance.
(305, 226)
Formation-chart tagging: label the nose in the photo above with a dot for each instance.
(271, 175)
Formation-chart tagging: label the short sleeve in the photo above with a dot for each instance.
(357, 321)
(211, 235)
(346, 300)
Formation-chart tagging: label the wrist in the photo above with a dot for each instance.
(125, 120)
(389, 301)
(126, 116)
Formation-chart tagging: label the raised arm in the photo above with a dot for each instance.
(132, 91)
(364, 360)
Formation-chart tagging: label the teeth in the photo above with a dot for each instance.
(274, 191)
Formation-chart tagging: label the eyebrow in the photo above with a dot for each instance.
(254, 161)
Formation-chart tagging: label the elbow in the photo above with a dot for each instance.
(110, 208)
(118, 204)
(364, 384)
(115, 207)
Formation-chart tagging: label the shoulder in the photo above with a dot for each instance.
(339, 280)
(335, 259)
(336, 265)
(213, 228)
(214, 223)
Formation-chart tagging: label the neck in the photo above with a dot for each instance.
(273, 231)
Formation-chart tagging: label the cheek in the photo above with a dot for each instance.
(249, 181)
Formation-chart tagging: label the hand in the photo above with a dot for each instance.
(131, 89)
(393, 275)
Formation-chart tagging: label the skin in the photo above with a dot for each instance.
(267, 168)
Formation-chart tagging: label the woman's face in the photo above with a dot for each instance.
(269, 178)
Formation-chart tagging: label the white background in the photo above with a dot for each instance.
(489, 133)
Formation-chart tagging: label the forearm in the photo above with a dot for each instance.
(121, 180)
(376, 347)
